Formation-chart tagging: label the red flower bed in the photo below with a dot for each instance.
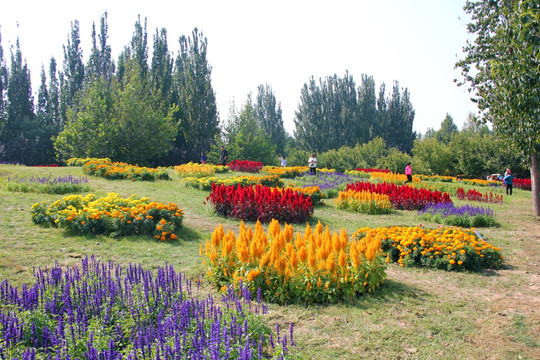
(51, 165)
(245, 166)
(403, 197)
(474, 195)
(373, 170)
(260, 203)
(524, 184)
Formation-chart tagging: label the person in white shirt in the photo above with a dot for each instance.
(312, 164)
(283, 161)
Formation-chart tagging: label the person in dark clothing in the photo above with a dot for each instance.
(224, 156)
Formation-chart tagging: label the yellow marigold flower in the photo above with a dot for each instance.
(162, 221)
(452, 261)
(460, 262)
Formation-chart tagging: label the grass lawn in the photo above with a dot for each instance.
(416, 314)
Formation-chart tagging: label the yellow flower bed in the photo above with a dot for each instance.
(205, 183)
(364, 202)
(199, 170)
(110, 215)
(316, 267)
(118, 170)
(446, 248)
(81, 161)
(394, 178)
(290, 171)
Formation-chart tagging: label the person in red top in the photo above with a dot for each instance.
(408, 172)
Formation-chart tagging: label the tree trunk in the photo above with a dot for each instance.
(535, 185)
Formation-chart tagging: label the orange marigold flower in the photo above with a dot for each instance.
(163, 222)
(174, 237)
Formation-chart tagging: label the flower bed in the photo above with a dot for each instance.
(480, 182)
(360, 174)
(205, 183)
(317, 267)
(463, 216)
(199, 170)
(444, 248)
(101, 311)
(110, 215)
(48, 184)
(314, 193)
(437, 178)
(364, 202)
(403, 197)
(329, 183)
(370, 170)
(524, 184)
(393, 178)
(474, 195)
(245, 166)
(261, 203)
(117, 170)
(82, 161)
(289, 172)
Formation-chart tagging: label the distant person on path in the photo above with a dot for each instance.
(312, 162)
(283, 161)
(224, 156)
(408, 172)
(203, 158)
(508, 181)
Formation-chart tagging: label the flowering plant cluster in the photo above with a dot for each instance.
(438, 178)
(199, 170)
(393, 178)
(443, 248)
(314, 193)
(245, 166)
(118, 170)
(101, 311)
(260, 203)
(205, 183)
(360, 174)
(443, 187)
(364, 202)
(48, 184)
(316, 267)
(370, 170)
(480, 182)
(82, 161)
(110, 215)
(524, 184)
(49, 165)
(403, 197)
(474, 195)
(329, 183)
(463, 216)
(289, 172)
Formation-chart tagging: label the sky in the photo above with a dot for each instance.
(279, 43)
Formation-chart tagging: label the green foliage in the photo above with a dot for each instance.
(268, 117)
(125, 123)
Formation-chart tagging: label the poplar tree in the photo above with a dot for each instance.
(3, 91)
(268, 116)
(73, 71)
(100, 63)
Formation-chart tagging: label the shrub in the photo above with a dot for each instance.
(260, 203)
(443, 248)
(48, 184)
(113, 215)
(463, 216)
(103, 311)
(403, 197)
(364, 202)
(245, 166)
(316, 267)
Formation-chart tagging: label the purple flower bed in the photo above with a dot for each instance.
(68, 179)
(102, 311)
(466, 216)
(48, 184)
(329, 183)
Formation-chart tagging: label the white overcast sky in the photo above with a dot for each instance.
(281, 43)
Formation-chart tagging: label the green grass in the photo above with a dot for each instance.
(416, 314)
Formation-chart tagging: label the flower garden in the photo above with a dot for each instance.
(278, 255)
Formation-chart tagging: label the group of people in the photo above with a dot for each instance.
(224, 156)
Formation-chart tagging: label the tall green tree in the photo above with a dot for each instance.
(100, 63)
(448, 128)
(501, 67)
(126, 123)
(400, 116)
(162, 67)
(198, 116)
(269, 118)
(45, 128)
(367, 109)
(17, 136)
(72, 78)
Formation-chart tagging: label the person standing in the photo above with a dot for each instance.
(224, 156)
(203, 158)
(408, 172)
(508, 181)
(283, 161)
(312, 162)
